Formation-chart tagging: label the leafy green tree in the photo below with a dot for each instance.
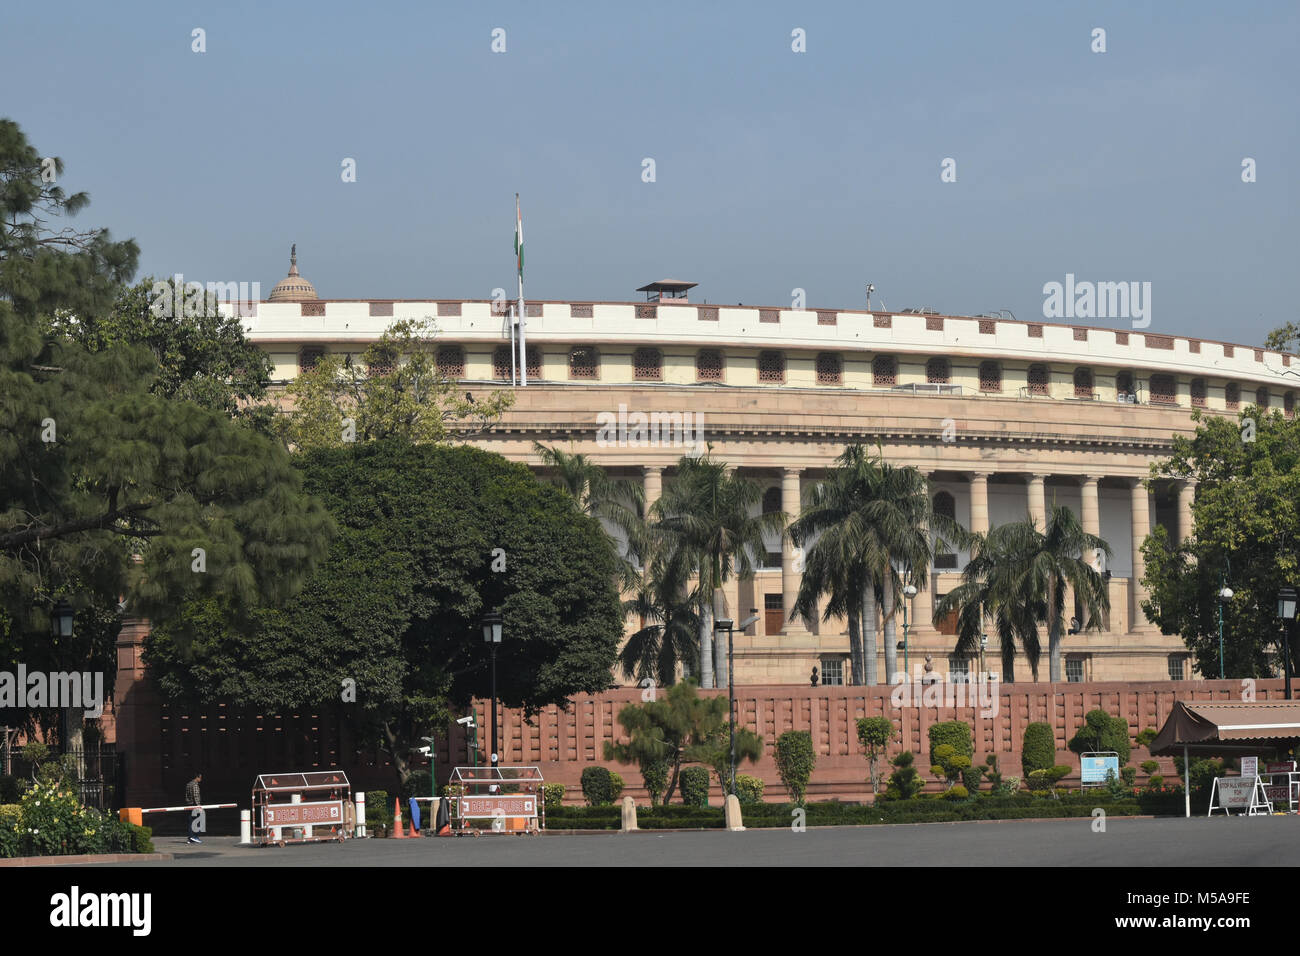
(387, 631)
(617, 504)
(905, 782)
(1021, 575)
(201, 354)
(394, 391)
(707, 513)
(949, 764)
(1102, 732)
(1245, 521)
(113, 494)
(717, 751)
(875, 733)
(1285, 338)
(795, 760)
(679, 727)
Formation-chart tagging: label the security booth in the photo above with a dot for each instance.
(496, 800)
(313, 807)
(1236, 729)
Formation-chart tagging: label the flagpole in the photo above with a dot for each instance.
(523, 340)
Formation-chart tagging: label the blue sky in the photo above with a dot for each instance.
(774, 170)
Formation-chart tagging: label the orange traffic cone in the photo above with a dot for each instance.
(397, 821)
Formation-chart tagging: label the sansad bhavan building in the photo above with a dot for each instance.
(1007, 418)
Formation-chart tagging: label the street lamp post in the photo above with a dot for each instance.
(1286, 606)
(61, 626)
(492, 637)
(1225, 595)
(725, 624)
(909, 592)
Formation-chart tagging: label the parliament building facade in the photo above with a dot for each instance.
(1007, 418)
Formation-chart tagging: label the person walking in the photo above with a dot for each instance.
(193, 799)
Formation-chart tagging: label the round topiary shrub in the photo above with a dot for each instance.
(749, 790)
(957, 792)
(1037, 749)
(695, 786)
(598, 786)
(553, 795)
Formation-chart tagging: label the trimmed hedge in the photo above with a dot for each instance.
(795, 759)
(693, 782)
(552, 796)
(777, 815)
(598, 786)
(749, 790)
(954, 733)
(1038, 748)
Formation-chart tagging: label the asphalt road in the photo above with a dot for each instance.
(1198, 842)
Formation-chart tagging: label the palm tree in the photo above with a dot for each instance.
(615, 503)
(866, 518)
(986, 593)
(665, 603)
(708, 518)
(1020, 575)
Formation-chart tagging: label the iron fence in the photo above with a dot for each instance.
(100, 772)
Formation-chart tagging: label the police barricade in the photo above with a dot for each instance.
(313, 807)
(496, 800)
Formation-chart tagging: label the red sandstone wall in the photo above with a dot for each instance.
(165, 744)
(562, 744)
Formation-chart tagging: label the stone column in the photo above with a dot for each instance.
(653, 477)
(1141, 528)
(1091, 510)
(791, 570)
(979, 502)
(1186, 495)
(1038, 500)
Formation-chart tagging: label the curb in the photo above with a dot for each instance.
(87, 858)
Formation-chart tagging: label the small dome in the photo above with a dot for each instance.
(293, 287)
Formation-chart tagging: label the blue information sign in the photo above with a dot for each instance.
(1094, 768)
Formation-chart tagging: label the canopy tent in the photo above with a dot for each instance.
(1225, 728)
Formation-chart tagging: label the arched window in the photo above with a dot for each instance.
(936, 371)
(772, 500)
(1164, 390)
(1038, 380)
(1198, 393)
(583, 362)
(946, 506)
(884, 371)
(1083, 383)
(308, 358)
(451, 362)
(1124, 387)
(830, 368)
(1232, 396)
(990, 377)
(647, 365)
(1261, 397)
(771, 367)
(708, 365)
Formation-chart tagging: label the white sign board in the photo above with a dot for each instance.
(1234, 792)
(1250, 766)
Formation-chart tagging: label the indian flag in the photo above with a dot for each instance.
(519, 236)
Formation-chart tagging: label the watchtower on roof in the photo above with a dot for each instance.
(667, 289)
